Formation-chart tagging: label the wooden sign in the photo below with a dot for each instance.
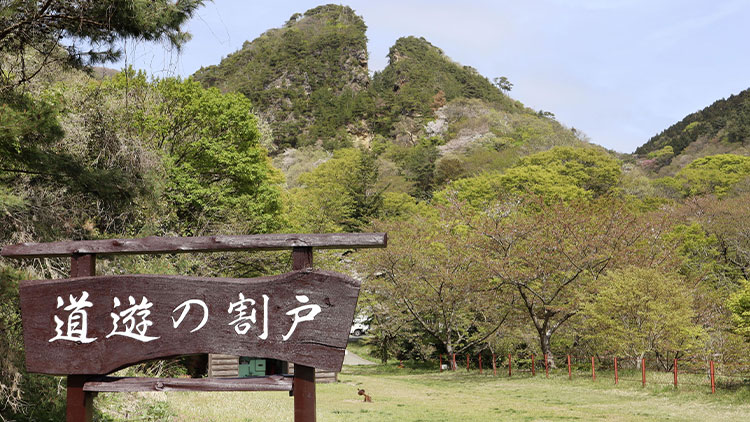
(96, 325)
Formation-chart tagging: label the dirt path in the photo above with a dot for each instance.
(352, 359)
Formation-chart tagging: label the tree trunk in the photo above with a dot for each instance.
(544, 341)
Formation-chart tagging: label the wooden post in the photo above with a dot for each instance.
(441, 363)
(455, 366)
(494, 365)
(643, 371)
(546, 365)
(467, 362)
(593, 370)
(533, 369)
(675, 373)
(510, 365)
(80, 404)
(304, 376)
(713, 381)
(570, 374)
(616, 379)
(480, 364)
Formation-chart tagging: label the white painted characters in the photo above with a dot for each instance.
(298, 317)
(132, 326)
(134, 318)
(243, 321)
(77, 323)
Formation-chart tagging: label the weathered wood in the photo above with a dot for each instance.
(114, 384)
(304, 376)
(304, 394)
(159, 245)
(79, 403)
(318, 343)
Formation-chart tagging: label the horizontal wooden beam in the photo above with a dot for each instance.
(129, 385)
(162, 245)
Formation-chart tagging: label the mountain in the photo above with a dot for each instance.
(304, 77)
(723, 127)
(429, 119)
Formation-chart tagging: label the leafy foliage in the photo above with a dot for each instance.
(715, 174)
(642, 310)
(417, 71)
(726, 119)
(307, 77)
(42, 25)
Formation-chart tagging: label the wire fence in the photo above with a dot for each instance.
(675, 372)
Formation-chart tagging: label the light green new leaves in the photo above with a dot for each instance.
(641, 310)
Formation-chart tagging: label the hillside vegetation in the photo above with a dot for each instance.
(723, 127)
(508, 232)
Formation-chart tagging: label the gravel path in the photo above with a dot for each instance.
(352, 359)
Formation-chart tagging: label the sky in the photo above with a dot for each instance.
(619, 70)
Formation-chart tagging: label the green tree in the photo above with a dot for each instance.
(339, 195)
(739, 304)
(554, 252)
(561, 173)
(45, 26)
(431, 271)
(715, 174)
(635, 311)
(216, 169)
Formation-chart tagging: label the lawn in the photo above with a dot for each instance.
(411, 396)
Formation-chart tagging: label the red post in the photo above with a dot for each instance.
(533, 370)
(494, 365)
(454, 363)
(570, 374)
(643, 371)
(593, 370)
(510, 365)
(616, 379)
(546, 365)
(79, 406)
(303, 385)
(480, 363)
(713, 383)
(675, 373)
(467, 361)
(441, 363)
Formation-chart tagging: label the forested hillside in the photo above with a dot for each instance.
(723, 127)
(508, 232)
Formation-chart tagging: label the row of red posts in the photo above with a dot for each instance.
(570, 372)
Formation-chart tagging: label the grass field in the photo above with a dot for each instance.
(412, 396)
(416, 393)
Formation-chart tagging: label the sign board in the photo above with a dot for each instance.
(96, 325)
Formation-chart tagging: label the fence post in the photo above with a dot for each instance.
(467, 362)
(494, 365)
(593, 370)
(480, 364)
(713, 383)
(441, 363)
(675, 373)
(455, 366)
(570, 375)
(643, 371)
(533, 369)
(546, 365)
(510, 365)
(616, 380)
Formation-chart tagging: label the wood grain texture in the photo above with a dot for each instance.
(115, 384)
(159, 245)
(319, 343)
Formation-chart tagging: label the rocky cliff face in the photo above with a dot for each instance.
(298, 75)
